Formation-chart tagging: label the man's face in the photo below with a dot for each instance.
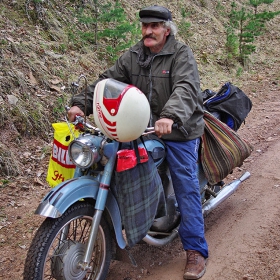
(154, 35)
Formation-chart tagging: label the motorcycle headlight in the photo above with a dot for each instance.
(83, 152)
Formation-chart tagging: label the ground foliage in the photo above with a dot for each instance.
(46, 45)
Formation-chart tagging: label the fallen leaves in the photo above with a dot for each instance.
(32, 79)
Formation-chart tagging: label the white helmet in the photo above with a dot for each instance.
(121, 111)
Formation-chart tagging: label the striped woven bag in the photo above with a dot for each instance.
(222, 149)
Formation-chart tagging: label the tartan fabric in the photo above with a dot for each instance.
(138, 192)
(222, 149)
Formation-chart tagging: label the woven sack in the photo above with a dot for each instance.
(222, 149)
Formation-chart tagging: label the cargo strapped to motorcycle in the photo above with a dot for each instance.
(61, 168)
(222, 149)
(230, 102)
(138, 189)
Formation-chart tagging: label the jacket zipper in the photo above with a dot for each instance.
(151, 85)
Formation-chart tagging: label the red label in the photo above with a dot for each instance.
(60, 155)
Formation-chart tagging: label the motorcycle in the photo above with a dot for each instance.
(83, 228)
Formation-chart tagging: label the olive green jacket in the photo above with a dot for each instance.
(171, 85)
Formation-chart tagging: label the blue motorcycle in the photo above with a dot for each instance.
(83, 229)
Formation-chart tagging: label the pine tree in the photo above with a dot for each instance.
(245, 24)
(117, 30)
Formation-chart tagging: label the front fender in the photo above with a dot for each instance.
(60, 198)
(65, 194)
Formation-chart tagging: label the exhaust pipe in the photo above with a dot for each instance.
(225, 192)
(209, 205)
(162, 241)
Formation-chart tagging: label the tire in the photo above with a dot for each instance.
(59, 245)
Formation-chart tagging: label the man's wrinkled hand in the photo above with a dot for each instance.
(163, 126)
(73, 112)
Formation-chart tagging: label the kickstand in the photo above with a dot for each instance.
(133, 261)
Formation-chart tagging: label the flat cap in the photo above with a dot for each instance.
(155, 14)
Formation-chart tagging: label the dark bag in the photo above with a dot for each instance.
(232, 104)
(138, 191)
(207, 93)
(222, 149)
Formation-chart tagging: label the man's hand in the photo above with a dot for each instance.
(73, 112)
(163, 126)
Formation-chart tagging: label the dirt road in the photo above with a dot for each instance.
(243, 232)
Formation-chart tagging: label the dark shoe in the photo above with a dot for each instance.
(195, 265)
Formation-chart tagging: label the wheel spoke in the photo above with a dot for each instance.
(64, 245)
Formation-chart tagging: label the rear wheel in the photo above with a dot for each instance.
(59, 245)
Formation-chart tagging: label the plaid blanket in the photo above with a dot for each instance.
(138, 191)
(222, 149)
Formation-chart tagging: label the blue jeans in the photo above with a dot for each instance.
(182, 161)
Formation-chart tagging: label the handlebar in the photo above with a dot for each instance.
(151, 129)
(82, 125)
(80, 122)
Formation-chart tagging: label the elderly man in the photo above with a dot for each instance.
(166, 71)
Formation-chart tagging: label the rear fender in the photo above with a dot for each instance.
(60, 198)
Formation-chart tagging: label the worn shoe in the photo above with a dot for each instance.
(195, 265)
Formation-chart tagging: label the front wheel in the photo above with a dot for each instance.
(59, 245)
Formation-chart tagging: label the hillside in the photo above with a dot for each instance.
(39, 62)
